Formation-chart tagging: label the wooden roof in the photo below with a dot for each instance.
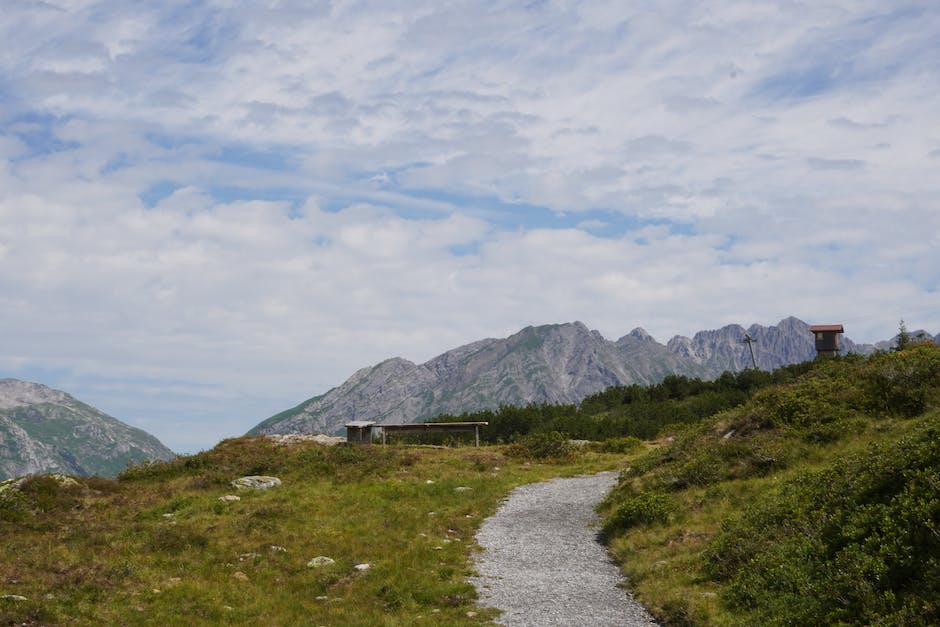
(836, 328)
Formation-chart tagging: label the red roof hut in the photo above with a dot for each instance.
(827, 338)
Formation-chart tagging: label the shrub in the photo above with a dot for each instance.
(858, 542)
(640, 509)
(541, 446)
(903, 383)
(626, 444)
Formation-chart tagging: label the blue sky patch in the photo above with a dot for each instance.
(157, 192)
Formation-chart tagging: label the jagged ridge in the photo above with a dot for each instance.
(561, 363)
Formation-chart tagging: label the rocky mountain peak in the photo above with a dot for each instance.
(16, 393)
(640, 334)
(47, 430)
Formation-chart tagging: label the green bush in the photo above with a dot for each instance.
(541, 446)
(626, 444)
(903, 383)
(640, 509)
(858, 542)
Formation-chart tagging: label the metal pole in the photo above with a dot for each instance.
(750, 345)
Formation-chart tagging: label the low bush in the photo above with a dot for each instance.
(858, 542)
(639, 509)
(903, 383)
(541, 446)
(628, 444)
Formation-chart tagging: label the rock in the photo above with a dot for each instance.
(286, 439)
(363, 567)
(462, 488)
(320, 561)
(278, 549)
(240, 575)
(256, 482)
(64, 481)
(13, 597)
(228, 498)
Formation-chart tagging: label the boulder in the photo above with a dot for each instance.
(256, 482)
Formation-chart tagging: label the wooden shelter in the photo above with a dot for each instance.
(827, 338)
(359, 432)
(436, 427)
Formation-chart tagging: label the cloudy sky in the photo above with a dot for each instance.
(212, 210)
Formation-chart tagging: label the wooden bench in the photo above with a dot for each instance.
(435, 427)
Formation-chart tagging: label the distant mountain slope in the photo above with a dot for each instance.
(561, 363)
(46, 430)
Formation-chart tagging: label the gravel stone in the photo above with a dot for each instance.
(542, 564)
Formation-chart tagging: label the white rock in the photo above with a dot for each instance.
(13, 597)
(286, 439)
(256, 482)
(320, 561)
(229, 497)
(363, 567)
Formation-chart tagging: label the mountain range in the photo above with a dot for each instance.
(560, 363)
(47, 430)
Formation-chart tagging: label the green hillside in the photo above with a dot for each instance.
(815, 503)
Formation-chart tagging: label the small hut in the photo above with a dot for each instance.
(359, 432)
(827, 338)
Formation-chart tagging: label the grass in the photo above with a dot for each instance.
(157, 546)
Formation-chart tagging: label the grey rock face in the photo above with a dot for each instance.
(46, 430)
(560, 363)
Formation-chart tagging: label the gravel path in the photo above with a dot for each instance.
(542, 564)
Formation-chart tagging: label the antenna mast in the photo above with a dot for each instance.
(750, 345)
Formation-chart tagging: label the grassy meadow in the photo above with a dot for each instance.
(158, 547)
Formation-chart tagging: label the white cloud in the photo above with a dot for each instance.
(240, 204)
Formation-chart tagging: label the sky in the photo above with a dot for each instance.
(213, 210)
